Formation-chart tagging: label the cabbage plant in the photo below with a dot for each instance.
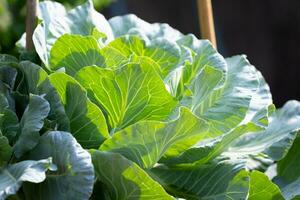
(124, 109)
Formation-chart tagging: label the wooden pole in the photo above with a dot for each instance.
(31, 20)
(206, 20)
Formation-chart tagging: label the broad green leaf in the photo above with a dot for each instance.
(147, 141)
(87, 122)
(226, 107)
(127, 95)
(74, 52)
(277, 139)
(201, 86)
(261, 104)
(31, 123)
(13, 176)
(74, 177)
(262, 188)
(288, 168)
(217, 180)
(56, 21)
(36, 82)
(202, 153)
(164, 53)
(124, 179)
(203, 54)
(131, 24)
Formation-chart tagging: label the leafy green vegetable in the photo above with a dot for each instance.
(163, 115)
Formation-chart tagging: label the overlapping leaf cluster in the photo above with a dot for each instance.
(161, 115)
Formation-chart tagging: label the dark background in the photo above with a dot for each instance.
(267, 31)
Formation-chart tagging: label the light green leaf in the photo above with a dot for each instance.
(56, 21)
(124, 179)
(74, 177)
(146, 142)
(204, 152)
(131, 24)
(261, 104)
(277, 139)
(31, 123)
(36, 82)
(203, 54)
(201, 86)
(217, 180)
(262, 188)
(127, 95)
(226, 107)
(164, 53)
(12, 177)
(74, 52)
(87, 122)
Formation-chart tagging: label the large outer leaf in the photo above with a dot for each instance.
(204, 152)
(146, 142)
(277, 138)
(31, 123)
(226, 107)
(261, 104)
(36, 82)
(74, 178)
(124, 179)
(127, 95)
(131, 24)
(12, 177)
(217, 180)
(87, 122)
(57, 21)
(74, 52)
(262, 188)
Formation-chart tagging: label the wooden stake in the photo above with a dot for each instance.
(31, 20)
(206, 20)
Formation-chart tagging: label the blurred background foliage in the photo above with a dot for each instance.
(12, 20)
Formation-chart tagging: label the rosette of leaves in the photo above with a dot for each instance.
(163, 114)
